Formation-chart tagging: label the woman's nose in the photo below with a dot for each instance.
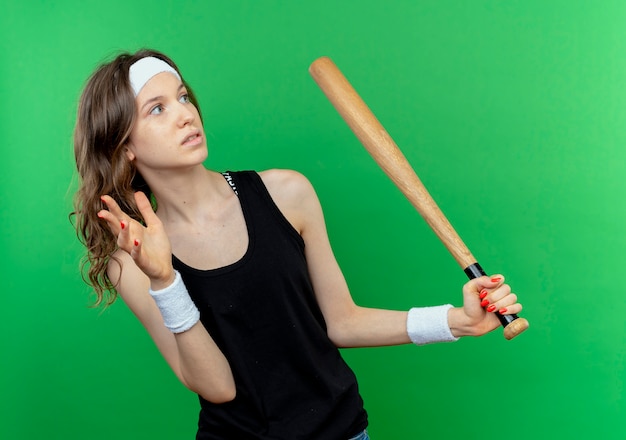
(186, 114)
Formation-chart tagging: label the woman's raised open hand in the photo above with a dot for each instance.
(148, 245)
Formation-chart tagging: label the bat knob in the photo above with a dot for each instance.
(515, 327)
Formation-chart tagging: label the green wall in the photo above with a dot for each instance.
(513, 114)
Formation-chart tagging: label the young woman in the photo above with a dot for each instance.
(232, 274)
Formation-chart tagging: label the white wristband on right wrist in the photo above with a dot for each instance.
(178, 310)
(427, 325)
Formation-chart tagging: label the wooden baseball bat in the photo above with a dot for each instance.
(386, 153)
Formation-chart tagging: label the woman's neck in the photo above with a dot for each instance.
(188, 196)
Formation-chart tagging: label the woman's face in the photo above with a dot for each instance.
(168, 132)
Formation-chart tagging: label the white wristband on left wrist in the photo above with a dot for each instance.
(428, 325)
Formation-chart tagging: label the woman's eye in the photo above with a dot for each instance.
(156, 110)
(184, 99)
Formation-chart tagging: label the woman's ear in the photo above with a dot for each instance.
(129, 153)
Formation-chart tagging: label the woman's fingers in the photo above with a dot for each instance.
(113, 215)
(112, 206)
(135, 251)
(112, 221)
(500, 300)
(124, 235)
(121, 225)
(513, 309)
(494, 295)
(477, 285)
(145, 208)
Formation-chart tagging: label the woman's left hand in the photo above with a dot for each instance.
(482, 298)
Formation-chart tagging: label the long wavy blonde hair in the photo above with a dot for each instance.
(104, 121)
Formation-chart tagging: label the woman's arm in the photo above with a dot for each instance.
(192, 354)
(350, 325)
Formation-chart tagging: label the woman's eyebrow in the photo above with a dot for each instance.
(160, 97)
(151, 100)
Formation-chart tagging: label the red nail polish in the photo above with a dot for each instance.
(122, 225)
(483, 294)
(502, 311)
(136, 243)
(495, 279)
(491, 308)
(484, 303)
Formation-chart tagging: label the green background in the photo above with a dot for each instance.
(512, 113)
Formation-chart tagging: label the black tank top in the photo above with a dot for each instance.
(292, 382)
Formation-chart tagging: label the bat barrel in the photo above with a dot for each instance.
(386, 153)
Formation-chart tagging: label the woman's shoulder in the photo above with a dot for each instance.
(286, 185)
(281, 175)
(293, 194)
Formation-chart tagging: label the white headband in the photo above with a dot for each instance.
(141, 71)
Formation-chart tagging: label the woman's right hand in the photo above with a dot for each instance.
(148, 245)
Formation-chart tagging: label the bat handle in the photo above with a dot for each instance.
(513, 324)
